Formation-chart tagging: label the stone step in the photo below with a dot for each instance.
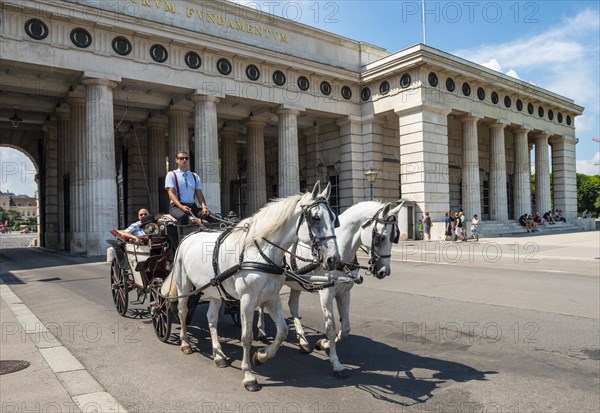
(512, 227)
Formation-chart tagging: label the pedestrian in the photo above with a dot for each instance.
(427, 224)
(458, 226)
(448, 225)
(475, 227)
(184, 188)
(464, 226)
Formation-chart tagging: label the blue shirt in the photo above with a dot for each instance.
(136, 229)
(188, 183)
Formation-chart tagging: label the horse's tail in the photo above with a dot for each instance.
(169, 286)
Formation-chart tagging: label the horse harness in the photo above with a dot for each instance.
(375, 239)
(269, 266)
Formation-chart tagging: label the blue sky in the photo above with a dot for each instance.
(554, 44)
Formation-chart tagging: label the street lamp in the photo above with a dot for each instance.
(15, 120)
(371, 176)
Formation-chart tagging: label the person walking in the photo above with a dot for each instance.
(458, 226)
(475, 227)
(427, 224)
(184, 188)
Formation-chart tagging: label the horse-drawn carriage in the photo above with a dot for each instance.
(247, 262)
(142, 267)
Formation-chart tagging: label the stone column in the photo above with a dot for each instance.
(137, 168)
(498, 201)
(289, 174)
(522, 189)
(314, 163)
(542, 174)
(424, 160)
(257, 185)
(101, 184)
(229, 166)
(77, 168)
(206, 138)
(471, 186)
(51, 193)
(564, 176)
(62, 137)
(372, 157)
(179, 135)
(352, 161)
(157, 162)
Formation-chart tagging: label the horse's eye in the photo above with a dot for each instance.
(317, 218)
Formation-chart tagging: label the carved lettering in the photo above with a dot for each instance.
(215, 18)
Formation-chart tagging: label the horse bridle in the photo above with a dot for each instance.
(394, 237)
(306, 217)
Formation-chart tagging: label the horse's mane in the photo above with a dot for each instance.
(266, 221)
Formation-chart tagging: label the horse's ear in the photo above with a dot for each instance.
(327, 191)
(397, 209)
(316, 190)
(386, 209)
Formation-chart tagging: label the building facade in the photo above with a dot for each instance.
(108, 92)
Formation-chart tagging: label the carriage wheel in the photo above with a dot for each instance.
(119, 287)
(161, 316)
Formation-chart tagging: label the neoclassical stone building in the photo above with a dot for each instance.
(107, 92)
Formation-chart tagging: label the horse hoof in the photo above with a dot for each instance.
(186, 350)
(264, 339)
(254, 386)
(320, 344)
(256, 360)
(342, 374)
(305, 348)
(221, 363)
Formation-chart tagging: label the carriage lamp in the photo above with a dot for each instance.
(371, 176)
(15, 120)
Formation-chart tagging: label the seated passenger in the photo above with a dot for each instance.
(135, 230)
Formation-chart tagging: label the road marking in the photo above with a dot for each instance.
(84, 389)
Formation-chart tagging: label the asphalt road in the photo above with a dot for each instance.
(474, 335)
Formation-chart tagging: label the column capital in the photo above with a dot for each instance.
(156, 121)
(354, 119)
(230, 131)
(541, 135)
(62, 112)
(498, 124)
(561, 138)
(427, 107)
(521, 129)
(111, 82)
(252, 121)
(288, 109)
(198, 97)
(470, 118)
(174, 110)
(76, 98)
(208, 91)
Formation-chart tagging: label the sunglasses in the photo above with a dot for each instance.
(184, 158)
(142, 215)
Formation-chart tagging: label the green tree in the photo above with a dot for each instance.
(588, 193)
(9, 214)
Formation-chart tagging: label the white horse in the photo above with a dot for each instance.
(259, 244)
(371, 225)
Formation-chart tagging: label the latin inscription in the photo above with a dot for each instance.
(212, 18)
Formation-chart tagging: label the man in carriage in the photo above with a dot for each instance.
(184, 187)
